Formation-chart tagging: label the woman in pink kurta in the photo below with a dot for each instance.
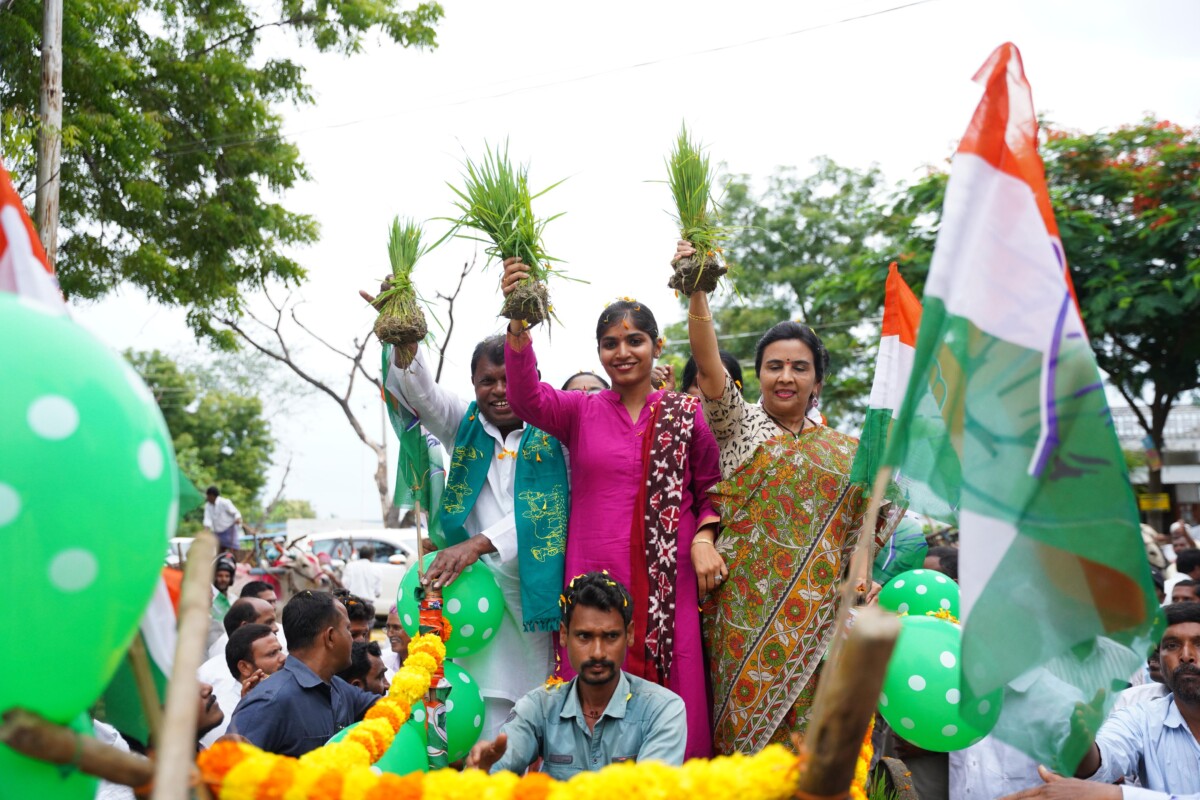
(607, 441)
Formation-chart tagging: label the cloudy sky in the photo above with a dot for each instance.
(595, 93)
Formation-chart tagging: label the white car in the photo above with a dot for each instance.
(395, 549)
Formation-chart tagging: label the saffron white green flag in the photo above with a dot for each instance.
(1005, 424)
(893, 366)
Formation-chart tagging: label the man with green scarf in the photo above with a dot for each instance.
(505, 502)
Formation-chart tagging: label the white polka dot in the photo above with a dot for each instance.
(949, 730)
(470, 568)
(916, 683)
(449, 705)
(953, 696)
(484, 605)
(899, 584)
(918, 572)
(488, 634)
(150, 460)
(418, 714)
(10, 504)
(922, 589)
(52, 417)
(463, 651)
(408, 620)
(902, 608)
(454, 606)
(948, 660)
(945, 604)
(172, 518)
(905, 722)
(73, 570)
(883, 701)
(467, 630)
(376, 770)
(940, 579)
(478, 721)
(984, 706)
(464, 677)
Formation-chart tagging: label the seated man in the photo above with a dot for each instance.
(603, 715)
(366, 670)
(303, 705)
(1154, 740)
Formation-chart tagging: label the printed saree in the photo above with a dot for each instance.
(790, 520)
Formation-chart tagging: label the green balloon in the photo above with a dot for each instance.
(922, 690)
(920, 591)
(464, 712)
(407, 753)
(473, 604)
(88, 500)
(24, 777)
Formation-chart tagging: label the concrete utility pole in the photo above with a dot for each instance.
(49, 155)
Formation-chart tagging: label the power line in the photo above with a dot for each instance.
(203, 145)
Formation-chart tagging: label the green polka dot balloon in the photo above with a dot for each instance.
(920, 591)
(473, 604)
(88, 499)
(464, 712)
(922, 691)
(407, 753)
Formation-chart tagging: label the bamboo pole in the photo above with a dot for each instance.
(845, 703)
(30, 735)
(143, 678)
(49, 144)
(177, 748)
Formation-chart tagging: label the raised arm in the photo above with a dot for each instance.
(440, 410)
(710, 373)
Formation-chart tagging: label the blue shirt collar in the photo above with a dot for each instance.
(616, 704)
(302, 673)
(1172, 719)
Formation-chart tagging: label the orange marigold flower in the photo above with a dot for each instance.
(534, 786)
(278, 781)
(553, 681)
(391, 710)
(397, 787)
(216, 761)
(327, 787)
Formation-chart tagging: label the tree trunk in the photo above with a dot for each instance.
(391, 517)
(49, 155)
(1154, 485)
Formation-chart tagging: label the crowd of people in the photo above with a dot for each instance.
(681, 582)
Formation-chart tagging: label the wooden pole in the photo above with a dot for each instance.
(49, 151)
(30, 735)
(845, 703)
(177, 748)
(143, 678)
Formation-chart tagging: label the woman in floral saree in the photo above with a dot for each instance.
(790, 520)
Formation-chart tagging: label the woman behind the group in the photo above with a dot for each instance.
(641, 464)
(586, 382)
(790, 519)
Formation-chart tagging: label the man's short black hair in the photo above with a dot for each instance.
(1179, 613)
(357, 609)
(491, 348)
(600, 591)
(1187, 561)
(255, 588)
(366, 552)
(949, 565)
(240, 613)
(306, 615)
(360, 664)
(1186, 582)
(241, 643)
(212, 491)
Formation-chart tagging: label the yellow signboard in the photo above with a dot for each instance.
(1154, 502)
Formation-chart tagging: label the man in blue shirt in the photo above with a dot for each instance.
(1157, 740)
(603, 715)
(303, 705)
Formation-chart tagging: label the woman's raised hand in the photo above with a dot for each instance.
(515, 271)
(683, 249)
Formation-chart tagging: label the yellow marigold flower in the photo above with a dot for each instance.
(421, 661)
(375, 735)
(391, 710)
(428, 643)
(409, 684)
(302, 782)
(553, 682)
(359, 781)
(244, 780)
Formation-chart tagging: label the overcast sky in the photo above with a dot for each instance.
(595, 93)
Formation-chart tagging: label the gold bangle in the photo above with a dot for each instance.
(697, 318)
(697, 540)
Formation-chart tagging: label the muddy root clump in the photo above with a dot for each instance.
(529, 302)
(692, 275)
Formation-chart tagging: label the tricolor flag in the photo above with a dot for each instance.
(23, 267)
(1006, 397)
(419, 463)
(893, 366)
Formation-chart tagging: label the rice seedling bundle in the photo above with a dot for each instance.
(401, 321)
(690, 177)
(495, 201)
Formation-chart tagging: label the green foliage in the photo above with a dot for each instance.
(291, 509)
(690, 176)
(220, 436)
(173, 151)
(496, 201)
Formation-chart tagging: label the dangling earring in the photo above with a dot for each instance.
(813, 402)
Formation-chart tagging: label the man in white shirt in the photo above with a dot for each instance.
(222, 518)
(517, 661)
(360, 578)
(252, 653)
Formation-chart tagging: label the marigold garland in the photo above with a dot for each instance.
(858, 789)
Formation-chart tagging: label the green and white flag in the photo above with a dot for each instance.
(420, 473)
(1005, 425)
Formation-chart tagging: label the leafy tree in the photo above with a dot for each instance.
(813, 248)
(291, 509)
(173, 152)
(220, 437)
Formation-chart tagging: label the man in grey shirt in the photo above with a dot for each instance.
(602, 716)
